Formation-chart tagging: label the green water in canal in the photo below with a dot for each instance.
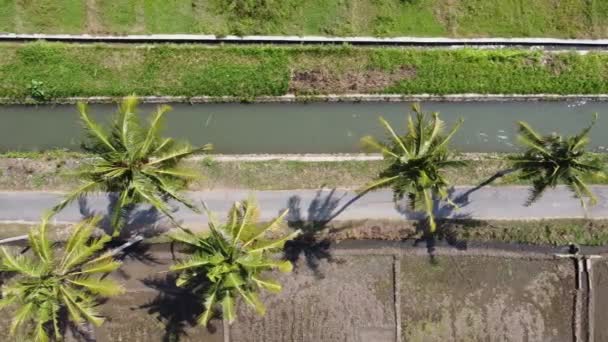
(308, 127)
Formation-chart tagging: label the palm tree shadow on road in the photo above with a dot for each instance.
(449, 218)
(311, 244)
(139, 220)
(147, 222)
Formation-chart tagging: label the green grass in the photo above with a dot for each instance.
(118, 70)
(170, 16)
(552, 232)
(508, 18)
(544, 232)
(54, 170)
(118, 16)
(51, 16)
(7, 15)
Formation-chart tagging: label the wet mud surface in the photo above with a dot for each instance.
(481, 298)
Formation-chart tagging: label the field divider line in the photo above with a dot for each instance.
(590, 303)
(397, 296)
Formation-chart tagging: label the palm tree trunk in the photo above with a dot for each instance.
(494, 177)
(346, 205)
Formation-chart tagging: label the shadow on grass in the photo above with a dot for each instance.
(176, 308)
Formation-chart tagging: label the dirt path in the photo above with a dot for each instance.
(93, 24)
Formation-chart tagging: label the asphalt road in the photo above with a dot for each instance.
(485, 203)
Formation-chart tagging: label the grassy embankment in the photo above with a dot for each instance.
(552, 232)
(54, 171)
(460, 18)
(246, 72)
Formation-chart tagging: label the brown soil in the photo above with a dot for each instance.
(351, 295)
(350, 299)
(27, 174)
(599, 302)
(325, 81)
(555, 64)
(487, 299)
(371, 230)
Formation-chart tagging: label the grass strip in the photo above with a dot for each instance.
(463, 18)
(54, 171)
(66, 70)
(553, 232)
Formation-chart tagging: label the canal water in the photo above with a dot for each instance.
(308, 127)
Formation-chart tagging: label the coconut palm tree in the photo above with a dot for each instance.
(552, 159)
(134, 162)
(51, 288)
(416, 162)
(230, 261)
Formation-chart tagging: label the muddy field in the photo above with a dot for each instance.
(487, 299)
(369, 294)
(599, 300)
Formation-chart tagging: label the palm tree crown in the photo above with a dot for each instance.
(50, 288)
(416, 161)
(134, 162)
(231, 259)
(552, 159)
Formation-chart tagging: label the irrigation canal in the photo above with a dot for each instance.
(314, 127)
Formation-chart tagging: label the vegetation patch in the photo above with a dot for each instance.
(54, 170)
(549, 232)
(64, 70)
(58, 16)
(460, 18)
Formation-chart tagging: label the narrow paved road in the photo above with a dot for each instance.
(486, 203)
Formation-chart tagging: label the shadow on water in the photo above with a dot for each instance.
(177, 308)
(310, 244)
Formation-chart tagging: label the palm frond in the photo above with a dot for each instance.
(134, 162)
(417, 161)
(273, 244)
(396, 138)
(154, 130)
(104, 287)
(550, 160)
(232, 258)
(273, 225)
(268, 284)
(75, 194)
(370, 144)
(210, 300)
(228, 307)
(378, 184)
(93, 129)
(581, 139)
